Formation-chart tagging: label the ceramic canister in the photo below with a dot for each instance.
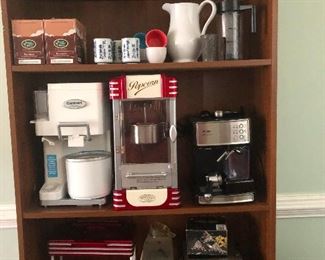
(130, 50)
(89, 174)
(117, 51)
(142, 37)
(103, 50)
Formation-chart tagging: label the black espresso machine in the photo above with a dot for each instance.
(222, 158)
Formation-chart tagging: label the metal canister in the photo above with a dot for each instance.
(145, 133)
(103, 50)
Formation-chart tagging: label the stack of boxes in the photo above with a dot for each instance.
(52, 41)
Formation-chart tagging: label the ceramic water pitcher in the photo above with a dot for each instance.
(184, 33)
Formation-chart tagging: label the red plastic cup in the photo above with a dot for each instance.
(156, 38)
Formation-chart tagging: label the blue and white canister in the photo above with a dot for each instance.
(117, 51)
(130, 50)
(103, 50)
(142, 37)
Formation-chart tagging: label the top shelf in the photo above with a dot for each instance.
(143, 67)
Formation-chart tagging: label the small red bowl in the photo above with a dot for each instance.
(156, 38)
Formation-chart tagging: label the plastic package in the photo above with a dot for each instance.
(159, 243)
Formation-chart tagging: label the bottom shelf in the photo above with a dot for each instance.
(246, 233)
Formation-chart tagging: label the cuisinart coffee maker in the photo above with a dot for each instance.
(144, 122)
(222, 158)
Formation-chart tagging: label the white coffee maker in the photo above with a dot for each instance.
(72, 119)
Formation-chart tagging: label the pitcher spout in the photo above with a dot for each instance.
(166, 7)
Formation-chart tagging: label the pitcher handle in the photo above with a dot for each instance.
(212, 15)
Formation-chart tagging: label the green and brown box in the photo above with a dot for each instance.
(28, 41)
(65, 41)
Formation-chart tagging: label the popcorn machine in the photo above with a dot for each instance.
(145, 156)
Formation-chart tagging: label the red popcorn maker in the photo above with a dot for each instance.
(145, 155)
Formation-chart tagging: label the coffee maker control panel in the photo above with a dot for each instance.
(222, 132)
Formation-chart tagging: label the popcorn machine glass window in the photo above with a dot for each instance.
(144, 135)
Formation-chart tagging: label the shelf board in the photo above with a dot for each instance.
(107, 211)
(142, 67)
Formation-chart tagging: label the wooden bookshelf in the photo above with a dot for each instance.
(250, 83)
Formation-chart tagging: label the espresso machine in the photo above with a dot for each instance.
(230, 28)
(222, 158)
(72, 121)
(145, 156)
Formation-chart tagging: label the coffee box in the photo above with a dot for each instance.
(28, 41)
(65, 41)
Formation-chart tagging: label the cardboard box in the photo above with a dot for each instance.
(65, 41)
(28, 41)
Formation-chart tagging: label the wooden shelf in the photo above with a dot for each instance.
(142, 67)
(107, 211)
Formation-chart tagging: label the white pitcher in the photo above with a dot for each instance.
(184, 33)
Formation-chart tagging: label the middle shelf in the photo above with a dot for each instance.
(225, 89)
(187, 208)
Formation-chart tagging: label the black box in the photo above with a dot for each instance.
(206, 237)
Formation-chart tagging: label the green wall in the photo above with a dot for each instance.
(8, 244)
(301, 96)
(301, 239)
(301, 129)
(301, 122)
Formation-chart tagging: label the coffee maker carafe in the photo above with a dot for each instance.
(230, 28)
(222, 158)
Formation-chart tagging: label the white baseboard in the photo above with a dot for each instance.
(8, 216)
(302, 205)
(307, 205)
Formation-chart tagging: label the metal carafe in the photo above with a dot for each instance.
(230, 31)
